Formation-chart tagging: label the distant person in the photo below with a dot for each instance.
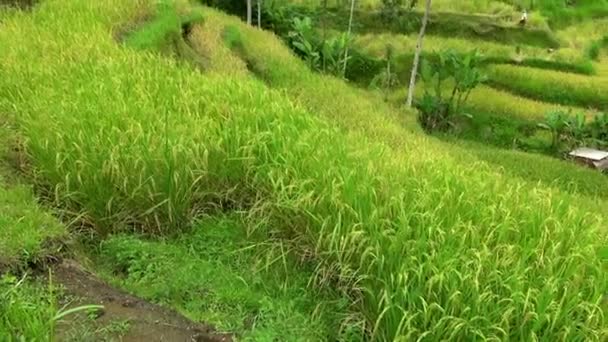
(524, 18)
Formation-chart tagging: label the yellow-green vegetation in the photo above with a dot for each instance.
(557, 87)
(423, 239)
(490, 100)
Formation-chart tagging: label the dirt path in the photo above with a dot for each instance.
(146, 322)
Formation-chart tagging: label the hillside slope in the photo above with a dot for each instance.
(426, 239)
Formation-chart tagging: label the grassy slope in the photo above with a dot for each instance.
(25, 228)
(328, 97)
(27, 233)
(413, 230)
(323, 101)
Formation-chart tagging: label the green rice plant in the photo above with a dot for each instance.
(7, 12)
(449, 24)
(556, 87)
(546, 170)
(424, 239)
(270, 68)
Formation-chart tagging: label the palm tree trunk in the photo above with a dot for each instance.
(350, 28)
(249, 12)
(425, 19)
(259, 13)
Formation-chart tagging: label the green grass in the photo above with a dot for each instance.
(423, 237)
(219, 276)
(160, 33)
(557, 87)
(26, 310)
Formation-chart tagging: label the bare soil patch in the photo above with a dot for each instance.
(147, 322)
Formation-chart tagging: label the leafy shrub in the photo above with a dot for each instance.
(598, 130)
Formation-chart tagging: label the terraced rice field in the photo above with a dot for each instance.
(216, 174)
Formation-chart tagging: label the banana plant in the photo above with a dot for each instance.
(302, 37)
(577, 128)
(555, 122)
(598, 129)
(334, 55)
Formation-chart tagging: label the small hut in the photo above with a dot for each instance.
(593, 158)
